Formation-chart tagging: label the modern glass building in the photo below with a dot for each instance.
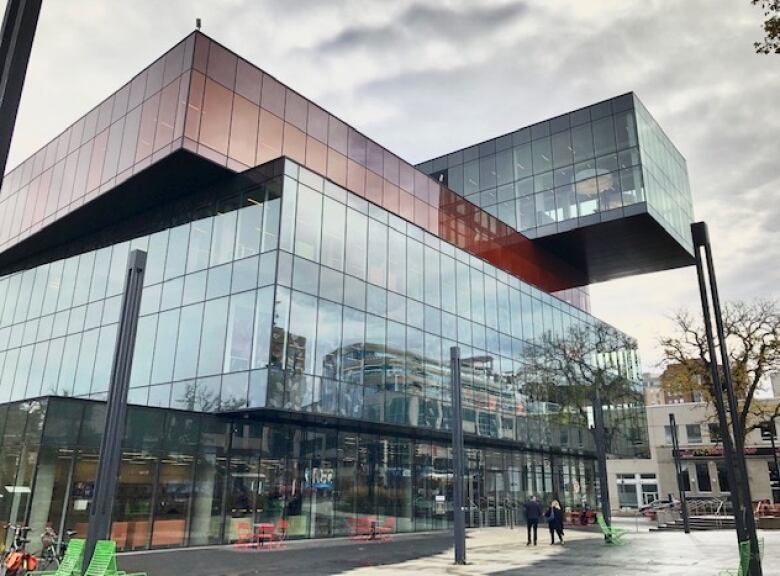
(303, 289)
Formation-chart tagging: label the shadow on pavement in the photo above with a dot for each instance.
(300, 558)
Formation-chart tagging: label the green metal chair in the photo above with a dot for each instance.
(71, 562)
(744, 559)
(103, 561)
(612, 535)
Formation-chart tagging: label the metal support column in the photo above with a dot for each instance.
(600, 439)
(16, 39)
(111, 444)
(731, 436)
(457, 458)
(678, 469)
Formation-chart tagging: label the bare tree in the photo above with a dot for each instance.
(771, 43)
(752, 333)
(567, 369)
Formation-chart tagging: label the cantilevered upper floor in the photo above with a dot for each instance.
(200, 112)
(602, 187)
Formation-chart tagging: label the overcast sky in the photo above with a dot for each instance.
(425, 78)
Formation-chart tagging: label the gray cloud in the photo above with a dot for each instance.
(419, 22)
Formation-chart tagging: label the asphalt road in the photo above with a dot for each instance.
(301, 558)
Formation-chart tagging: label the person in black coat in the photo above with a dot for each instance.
(554, 516)
(533, 511)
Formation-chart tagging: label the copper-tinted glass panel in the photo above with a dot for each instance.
(68, 177)
(166, 117)
(421, 185)
(181, 105)
(406, 208)
(112, 150)
(120, 103)
(129, 139)
(295, 110)
(148, 127)
(316, 155)
(375, 157)
(215, 120)
(154, 80)
(96, 164)
(104, 114)
(391, 197)
(294, 143)
(407, 177)
(357, 147)
(32, 198)
(200, 55)
(337, 135)
(82, 170)
(194, 105)
(222, 66)
(137, 90)
(62, 144)
(420, 213)
(273, 96)
(373, 187)
(248, 81)
(391, 169)
(75, 136)
(356, 178)
(270, 137)
(337, 167)
(243, 131)
(174, 63)
(90, 122)
(317, 126)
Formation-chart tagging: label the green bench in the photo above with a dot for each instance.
(71, 562)
(103, 561)
(744, 559)
(611, 534)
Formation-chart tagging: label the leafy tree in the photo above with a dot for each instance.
(771, 43)
(752, 333)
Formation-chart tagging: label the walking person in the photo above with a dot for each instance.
(554, 516)
(533, 511)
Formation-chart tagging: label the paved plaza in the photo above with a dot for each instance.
(495, 551)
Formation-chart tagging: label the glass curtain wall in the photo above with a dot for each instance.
(190, 479)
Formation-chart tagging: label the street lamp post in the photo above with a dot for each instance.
(731, 436)
(457, 458)
(678, 469)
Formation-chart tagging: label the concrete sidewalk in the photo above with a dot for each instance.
(499, 551)
(495, 551)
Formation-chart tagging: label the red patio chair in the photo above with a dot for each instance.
(387, 528)
(245, 536)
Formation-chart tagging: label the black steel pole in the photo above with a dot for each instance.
(457, 458)
(16, 39)
(731, 436)
(111, 444)
(678, 469)
(600, 440)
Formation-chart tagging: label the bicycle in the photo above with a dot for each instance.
(17, 561)
(54, 548)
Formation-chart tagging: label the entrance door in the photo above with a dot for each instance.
(242, 497)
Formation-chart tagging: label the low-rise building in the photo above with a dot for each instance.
(640, 481)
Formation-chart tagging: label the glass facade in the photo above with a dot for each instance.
(189, 479)
(121, 136)
(292, 296)
(295, 295)
(570, 170)
(292, 361)
(593, 165)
